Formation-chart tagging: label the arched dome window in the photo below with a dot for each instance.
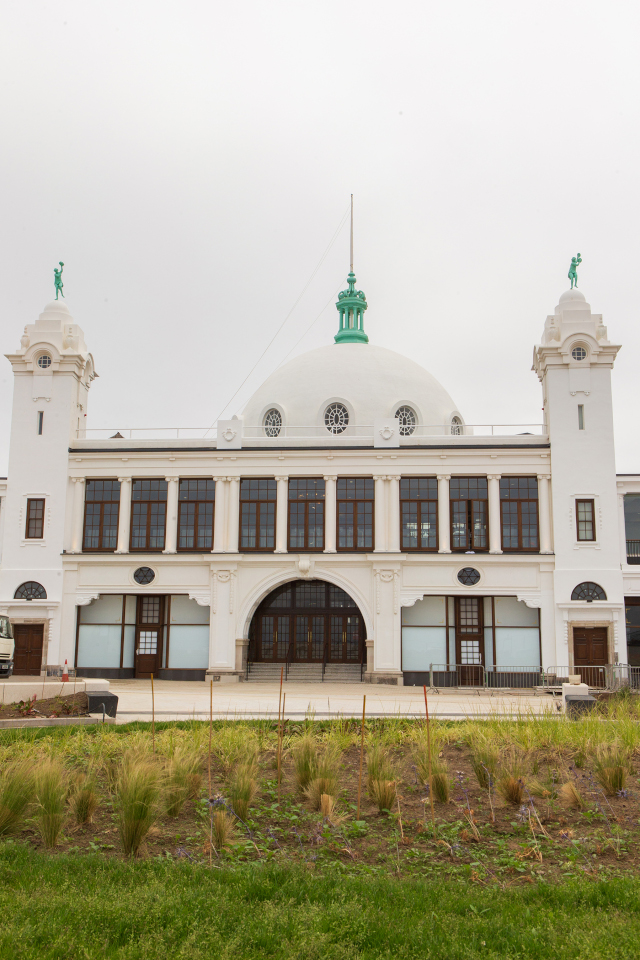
(272, 422)
(579, 352)
(336, 418)
(30, 590)
(456, 426)
(408, 420)
(588, 591)
(44, 361)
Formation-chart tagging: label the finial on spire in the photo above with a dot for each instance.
(573, 270)
(351, 305)
(351, 243)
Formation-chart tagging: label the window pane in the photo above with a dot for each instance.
(509, 525)
(479, 524)
(263, 489)
(248, 516)
(205, 525)
(345, 524)
(267, 525)
(410, 526)
(459, 524)
(139, 526)
(365, 525)
(316, 526)
(355, 488)
(419, 488)
(92, 526)
(197, 489)
(296, 526)
(518, 488)
(35, 519)
(109, 526)
(310, 595)
(149, 490)
(585, 520)
(156, 526)
(468, 488)
(428, 525)
(186, 531)
(306, 488)
(102, 490)
(529, 512)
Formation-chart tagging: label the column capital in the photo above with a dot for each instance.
(78, 479)
(444, 476)
(125, 479)
(398, 477)
(379, 478)
(330, 477)
(169, 479)
(494, 476)
(544, 476)
(230, 479)
(280, 479)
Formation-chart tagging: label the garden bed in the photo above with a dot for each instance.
(73, 705)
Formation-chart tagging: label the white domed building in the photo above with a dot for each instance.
(348, 524)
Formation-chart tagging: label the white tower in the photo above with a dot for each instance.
(574, 363)
(52, 373)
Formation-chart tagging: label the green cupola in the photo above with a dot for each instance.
(351, 306)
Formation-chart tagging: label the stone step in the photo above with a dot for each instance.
(306, 672)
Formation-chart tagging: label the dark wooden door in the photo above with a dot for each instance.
(470, 641)
(149, 630)
(590, 654)
(346, 639)
(27, 658)
(309, 647)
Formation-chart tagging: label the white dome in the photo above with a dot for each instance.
(370, 381)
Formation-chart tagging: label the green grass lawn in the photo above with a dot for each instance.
(85, 907)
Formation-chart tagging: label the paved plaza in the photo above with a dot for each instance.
(182, 701)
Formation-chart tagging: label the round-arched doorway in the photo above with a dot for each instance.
(307, 621)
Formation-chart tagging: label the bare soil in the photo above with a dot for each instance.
(74, 705)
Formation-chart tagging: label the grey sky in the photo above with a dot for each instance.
(190, 163)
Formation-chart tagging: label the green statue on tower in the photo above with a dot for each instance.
(573, 270)
(57, 279)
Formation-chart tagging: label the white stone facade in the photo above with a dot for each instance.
(409, 600)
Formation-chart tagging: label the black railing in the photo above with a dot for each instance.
(633, 551)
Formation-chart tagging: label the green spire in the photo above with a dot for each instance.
(351, 305)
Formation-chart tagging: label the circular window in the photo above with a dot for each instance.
(588, 591)
(30, 591)
(272, 423)
(579, 353)
(456, 426)
(336, 418)
(468, 576)
(44, 362)
(144, 575)
(407, 418)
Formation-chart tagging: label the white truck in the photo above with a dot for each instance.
(6, 647)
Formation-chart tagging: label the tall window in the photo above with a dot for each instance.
(355, 513)
(257, 514)
(148, 514)
(101, 506)
(585, 520)
(35, 520)
(468, 513)
(419, 513)
(306, 513)
(195, 514)
(519, 513)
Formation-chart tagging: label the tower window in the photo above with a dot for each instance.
(585, 520)
(580, 416)
(456, 426)
(44, 362)
(336, 418)
(272, 423)
(407, 418)
(40, 422)
(579, 353)
(35, 519)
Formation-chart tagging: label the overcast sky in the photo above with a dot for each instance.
(190, 164)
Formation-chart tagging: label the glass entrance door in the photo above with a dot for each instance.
(470, 641)
(149, 628)
(274, 639)
(346, 635)
(309, 639)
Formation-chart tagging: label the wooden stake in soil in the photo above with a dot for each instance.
(210, 731)
(153, 716)
(280, 735)
(433, 815)
(364, 703)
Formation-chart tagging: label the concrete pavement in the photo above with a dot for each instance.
(175, 700)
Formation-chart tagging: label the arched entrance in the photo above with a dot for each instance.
(307, 621)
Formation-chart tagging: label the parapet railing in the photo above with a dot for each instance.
(633, 548)
(315, 434)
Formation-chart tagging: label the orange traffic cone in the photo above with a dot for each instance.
(65, 673)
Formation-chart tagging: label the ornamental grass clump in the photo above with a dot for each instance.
(611, 767)
(183, 780)
(51, 801)
(325, 776)
(383, 793)
(484, 761)
(16, 793)
(83, 798)
(379, 765)
(138, 791)
(305, 760)
(223, 829)
(242, 789)
(571, 796)
(510, 783)
(440, 781)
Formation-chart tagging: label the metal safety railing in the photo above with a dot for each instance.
(633, 549)
(610, 677)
